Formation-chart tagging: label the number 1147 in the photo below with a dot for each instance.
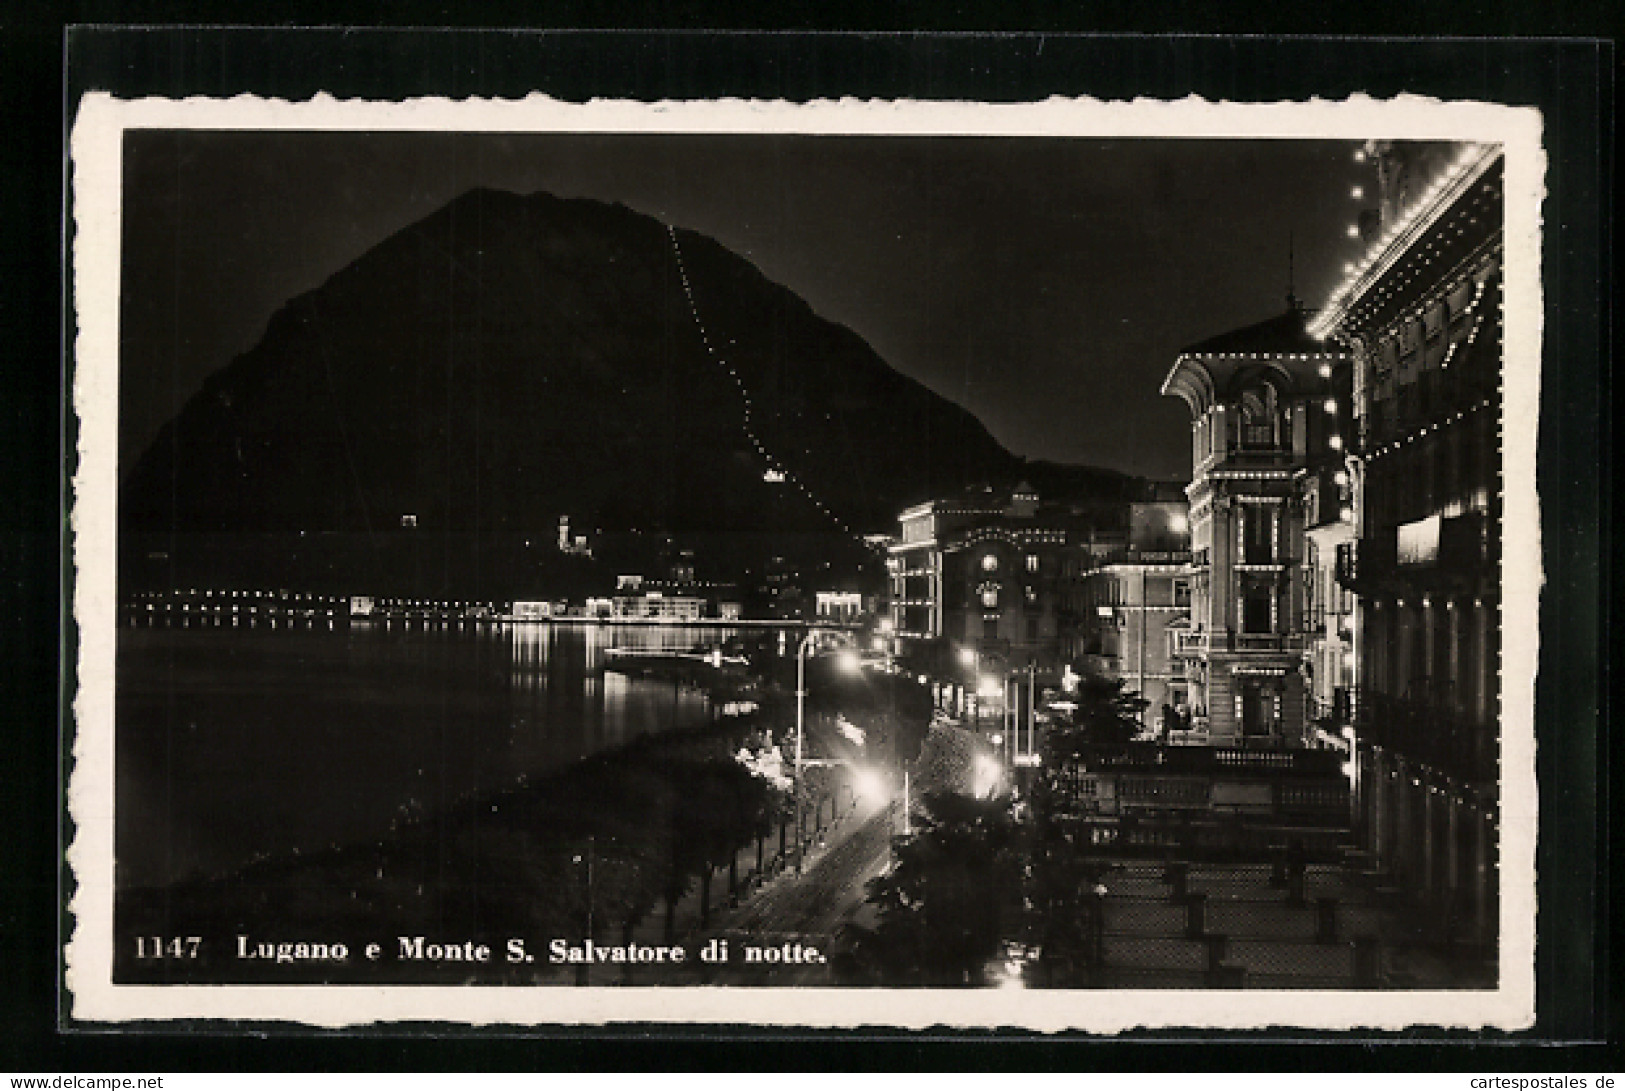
(158, 947)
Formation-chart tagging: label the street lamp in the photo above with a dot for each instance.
(868, 784)
(847, 660)
(985, 773)
(801, 716)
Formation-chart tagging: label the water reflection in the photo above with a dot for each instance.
(237, 739)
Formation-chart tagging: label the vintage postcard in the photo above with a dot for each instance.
(1056, 566)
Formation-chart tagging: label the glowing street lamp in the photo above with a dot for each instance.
(868, 783)
(801, 699)
(985, 773)
(848, 660)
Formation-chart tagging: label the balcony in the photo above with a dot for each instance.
(1368, 565)
(1180, 557)
(1258, 456)
(1436, 554)
(1186, 643)
(1193, 643)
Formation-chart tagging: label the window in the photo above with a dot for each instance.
(1032, 562)
(1259, 541)
(1256, 607)
(990, 597)
(1258, 419)
(1031, 594)
(990, 562)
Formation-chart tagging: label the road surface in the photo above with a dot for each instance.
(807, 910)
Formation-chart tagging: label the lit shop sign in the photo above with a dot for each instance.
(1419, 541)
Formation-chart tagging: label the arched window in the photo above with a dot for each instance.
(990, 562)
(1258, 418)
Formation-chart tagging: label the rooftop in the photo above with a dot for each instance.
(1284, 334)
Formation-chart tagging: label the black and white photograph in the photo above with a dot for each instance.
(1064, 566)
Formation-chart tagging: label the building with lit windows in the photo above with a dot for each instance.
(1423, 321)
(1421, 316)
(1265, 417)
(1328, 631)
(658, 606)
(982, 572)
(1129, 602)
(841, 607)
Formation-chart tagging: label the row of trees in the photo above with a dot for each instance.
(593, 850)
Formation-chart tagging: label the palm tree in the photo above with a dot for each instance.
(1107, 716)
(942, 906)
(1066, 884)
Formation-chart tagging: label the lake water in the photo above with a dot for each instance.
(233, 742)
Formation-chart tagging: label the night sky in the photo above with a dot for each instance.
(1044, 284)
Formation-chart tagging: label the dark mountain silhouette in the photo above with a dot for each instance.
(510, 359)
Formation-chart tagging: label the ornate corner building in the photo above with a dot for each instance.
(1265, 419)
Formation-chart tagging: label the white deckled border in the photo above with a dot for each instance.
(96, 148)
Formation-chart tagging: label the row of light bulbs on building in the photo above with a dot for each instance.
(1419, 209)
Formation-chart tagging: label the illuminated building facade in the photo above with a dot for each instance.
(1424, 324)
(984, 573)
(1421, 316)
(658, 606)
(1423, 321)
(841, 607)
(1265, 417)
(1128, 604)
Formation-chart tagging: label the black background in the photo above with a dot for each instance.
(1572, 82)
